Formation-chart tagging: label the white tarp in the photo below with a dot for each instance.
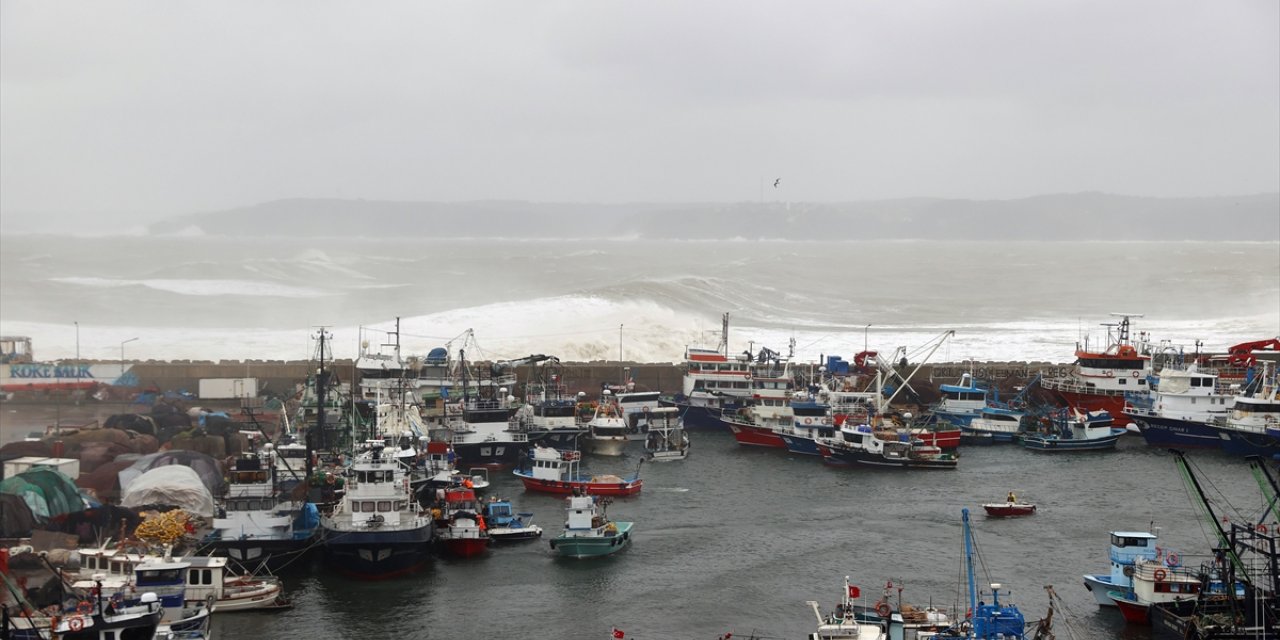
(173, 485)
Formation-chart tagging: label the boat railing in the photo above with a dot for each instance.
(1072, 385)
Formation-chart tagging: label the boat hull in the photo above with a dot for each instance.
(556, 438)
(464, 547)
(1176, 432)
(494, 454)
(1086, 403)
(943, 437)
(862, 457)
(253, 553)
(1006, 510)
(510, 534)
(801, 445)
(1099, 585)
(755, 436)
(605, 446)
(573, 487)
(377, 555)
(1134, 612)
(700, 417)
(593, 547)
(1038, 443)
(1242, 443)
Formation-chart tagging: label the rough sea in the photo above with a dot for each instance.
(197, 297)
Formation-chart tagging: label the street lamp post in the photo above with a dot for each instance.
(122, 344)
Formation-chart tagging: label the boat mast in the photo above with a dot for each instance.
(322, 384)
(968, 559)
(1223, 540)
(724, 334)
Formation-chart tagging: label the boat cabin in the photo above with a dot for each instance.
(1127, 547)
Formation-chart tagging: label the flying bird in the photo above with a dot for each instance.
(775, 183)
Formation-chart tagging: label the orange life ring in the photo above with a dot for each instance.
(84, 607)
(882, 609)
(76, 623)
(1160, 575)
(1173, 560)
(1262, 528)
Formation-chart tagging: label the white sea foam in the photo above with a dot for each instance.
(202, 287)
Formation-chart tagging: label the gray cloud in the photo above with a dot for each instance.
(148, 108)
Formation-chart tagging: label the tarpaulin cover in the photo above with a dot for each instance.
(170, 485)
(16, 520)
(209, 469)
(48, 493)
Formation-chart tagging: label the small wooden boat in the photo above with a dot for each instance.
(1009, 509)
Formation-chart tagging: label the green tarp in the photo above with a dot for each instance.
(48, 493)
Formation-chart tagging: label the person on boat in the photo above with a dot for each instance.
(1012, 498)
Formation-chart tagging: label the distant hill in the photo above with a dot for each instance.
(1079, 216)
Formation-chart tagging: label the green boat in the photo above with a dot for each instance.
(588, 532)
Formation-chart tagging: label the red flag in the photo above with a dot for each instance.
(618, 634)
(854, 592)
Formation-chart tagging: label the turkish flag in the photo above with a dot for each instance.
(854, 592)
(618, 634)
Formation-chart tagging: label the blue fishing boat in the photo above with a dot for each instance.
(994, 619)
(1078, 432)
(812, 420)
(961, 402)
(588, 532)
(505, 525)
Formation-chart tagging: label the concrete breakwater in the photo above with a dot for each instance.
(282, 377)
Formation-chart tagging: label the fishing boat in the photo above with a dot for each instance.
(713, 382)
(843, 623)
(901, 622)
(812, 421)
(1009, 508)
(862, 445)
(666, 439)
(588, 531)
(484, 432)
(203, 579)
(461, 530)
(554, 471)
(1127, 548)
(961, 401)
(549, 415)
(768, 414)
(1253, 426)
(94, 618)
(607, 429)
(505, 525)
(376, 531)
(1000, 424)
(993, 620)
(1078, 432)
(1099, 379)
(256, 525)
(1155, 581)
(1186, 405)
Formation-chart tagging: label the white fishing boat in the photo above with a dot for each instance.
(607, 429)
(666, 438)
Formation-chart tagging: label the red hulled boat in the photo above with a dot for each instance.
(1099, 379)
(1009, 509)
(460, 529)
(555, 471)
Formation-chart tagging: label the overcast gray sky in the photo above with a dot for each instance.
(171, 107)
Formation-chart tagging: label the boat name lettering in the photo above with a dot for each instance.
(49, 371)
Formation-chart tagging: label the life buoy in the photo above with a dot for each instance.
(1262, 528)
(84, 608)
(1160, 575)
(1136, 375)
(76, 623)
(808, 420)
(882, 609)
(1173, 560)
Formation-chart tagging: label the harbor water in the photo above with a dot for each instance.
(735, 540)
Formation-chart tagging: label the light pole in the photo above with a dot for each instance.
(864, 336)
(122, 344)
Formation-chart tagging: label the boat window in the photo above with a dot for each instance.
(355, 507)
(116, 567)
(159, 576)
(384, 505)
(400, 505)
(207, 574)
(1120, 541)
(370, 506)
(1123, 380)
